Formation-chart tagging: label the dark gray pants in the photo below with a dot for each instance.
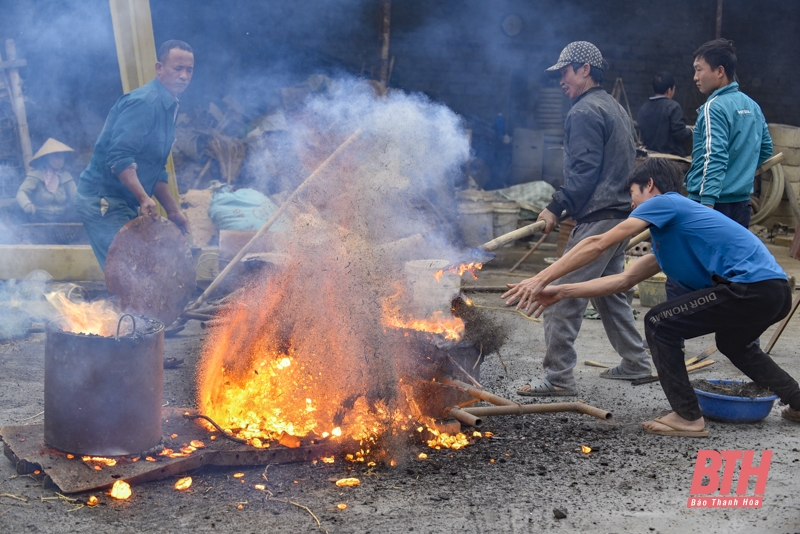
(562, 321)
(100, 227)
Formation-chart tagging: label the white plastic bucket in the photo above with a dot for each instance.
(504, 218)
(477, 222)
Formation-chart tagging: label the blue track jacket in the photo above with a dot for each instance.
(730, 141)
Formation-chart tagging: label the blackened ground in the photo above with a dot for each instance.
(512, 482)
(737, 389)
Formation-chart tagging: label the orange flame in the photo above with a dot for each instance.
(437, 323)
(87, 317)
(121, 490)
(91, 501)
(471, 268)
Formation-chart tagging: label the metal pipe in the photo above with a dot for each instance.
(480, 393)
(521, 409)
(463, 416)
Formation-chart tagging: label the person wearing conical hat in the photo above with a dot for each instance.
(47, 193)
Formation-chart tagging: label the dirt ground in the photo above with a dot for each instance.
(511, 482)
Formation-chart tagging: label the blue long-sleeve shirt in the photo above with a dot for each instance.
(731, 140)
(140, 129)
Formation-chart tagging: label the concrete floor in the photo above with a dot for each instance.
(631, 482)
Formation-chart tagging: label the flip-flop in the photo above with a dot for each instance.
(172, 363)
(544, 389)
(791, 415)
(615, 373)
(676, 432)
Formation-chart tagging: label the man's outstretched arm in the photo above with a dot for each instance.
(642, 269)
(581, 254)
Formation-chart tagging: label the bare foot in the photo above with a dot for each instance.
(677, 421)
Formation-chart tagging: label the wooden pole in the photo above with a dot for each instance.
(222, 275)
(718, 27)
(528, 254)
(18, 105)
(386, 23)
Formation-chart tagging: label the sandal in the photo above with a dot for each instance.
(615, 373)
(675, 431)
(544, 389)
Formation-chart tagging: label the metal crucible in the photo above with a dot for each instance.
(102, 395)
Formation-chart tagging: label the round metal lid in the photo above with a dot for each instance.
(150, 269)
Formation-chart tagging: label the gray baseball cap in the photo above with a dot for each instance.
(578, 52)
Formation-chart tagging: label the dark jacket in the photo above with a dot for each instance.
(662, 126)
(140, 129)
(599, 155)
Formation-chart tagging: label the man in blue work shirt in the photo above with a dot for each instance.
(128, 163)
(737, 290)
(731, 138)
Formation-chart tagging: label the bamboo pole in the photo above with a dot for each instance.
(505, 239)
(523, 409)
(235, 261)
(528, 254)
(480, 393)
(18, 105)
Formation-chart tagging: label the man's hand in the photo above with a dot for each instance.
(550, 219)
(524, 293)
(147, 206)
(547, 297)
(180, 221)
(30, 209)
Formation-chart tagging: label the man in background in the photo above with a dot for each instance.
(731, 138)
(129, 159)
(661, 119)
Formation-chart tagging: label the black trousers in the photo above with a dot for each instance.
(738, 314)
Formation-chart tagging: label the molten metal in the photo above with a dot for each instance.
(121, 490)
(183, 483)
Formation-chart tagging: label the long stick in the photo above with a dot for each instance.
(782, 326)
(222, 275)
(528, 254)
(18, 105)
(521, 409)
(505, 239)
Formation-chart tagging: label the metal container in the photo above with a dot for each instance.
(102, 395)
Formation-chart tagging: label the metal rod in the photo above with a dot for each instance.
(521, 409)
(480, 393)
(469, 376)
(215, 425)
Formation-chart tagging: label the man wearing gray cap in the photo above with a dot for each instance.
(599, 156)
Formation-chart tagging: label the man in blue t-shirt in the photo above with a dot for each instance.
(736, 290)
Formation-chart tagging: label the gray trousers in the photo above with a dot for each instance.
(562, 321)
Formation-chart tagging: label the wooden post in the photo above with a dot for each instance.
(718, 27)
(386, 23)
(136, 53)
(18, 105)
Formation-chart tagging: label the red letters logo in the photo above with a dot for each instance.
(717, 492)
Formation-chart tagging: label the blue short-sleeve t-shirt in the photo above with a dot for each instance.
(692, 242)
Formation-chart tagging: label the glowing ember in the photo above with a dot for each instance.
(470, 268)
(121, 490)
(183, 483)
(488, 434)
(443, 440)
(70, 456)
(166, 452)
(238, 475)
(341, 506)
(585, 449)
(336, 432)
(91, 501)
(150, 459)
(423, 456)
(328, 459)
(348, 482)
(476, 434)
(260, 487)
(87, 317)
(197, 444)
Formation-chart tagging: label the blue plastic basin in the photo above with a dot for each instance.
(733, 409)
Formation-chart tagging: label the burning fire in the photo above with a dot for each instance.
(97, 317)
(470, 268)
(450, 327)
(121, 490)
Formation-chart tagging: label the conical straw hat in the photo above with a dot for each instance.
(51, 146)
